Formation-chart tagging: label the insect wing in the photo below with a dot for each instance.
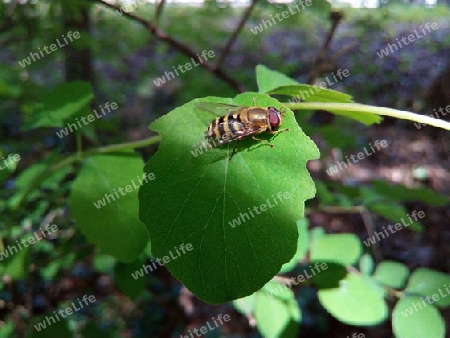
(218, 108)
(246, 130)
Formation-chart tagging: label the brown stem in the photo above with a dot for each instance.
(8, 21)
(158, 11)
(233, 37)
(335, 18)
(335, 209)
(370, 227)
(159, 34)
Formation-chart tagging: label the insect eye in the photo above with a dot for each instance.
(274, 117)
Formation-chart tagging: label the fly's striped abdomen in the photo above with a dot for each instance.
(225, 129)
(239, 122)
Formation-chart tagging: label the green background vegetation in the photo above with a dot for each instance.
(364, 289)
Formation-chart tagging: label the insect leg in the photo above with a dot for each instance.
(234, 149)
(264, 141)
(278, 131)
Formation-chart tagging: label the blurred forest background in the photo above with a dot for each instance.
(124, 48)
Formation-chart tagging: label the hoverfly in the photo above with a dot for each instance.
(240, 122)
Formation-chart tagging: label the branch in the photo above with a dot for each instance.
(362, 108)
(71, 159)
(347, 48)
(370, 228)
(8, 21)
(159, 34)
(336, 18)
(336, 209)
(158, 11)
(11, 8)
(232, 39)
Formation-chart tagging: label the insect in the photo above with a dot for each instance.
(240, 122)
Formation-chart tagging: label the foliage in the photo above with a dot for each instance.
(193, 199)
(196, 198)
(224, 253)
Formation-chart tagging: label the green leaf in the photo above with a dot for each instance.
(91, 330)
(11, 82)
(104, 263)
(396, 213)
(60, 104)
(302, 246)
(356, 302)
(273, 82)
(245, 305)
(400, 193)
(432, 284)
(8, 164)
(58, 329)
(391, 274)
(338, 188)
(344, 249)
(27, 178)
(352, 110)
(366, 264)
(7, 329)
(324, 195)
(412, 319)
(276, 316)
(113, 226)
(200, 200)
(268, 80)
(335, 134)
(326, 275)
(124, 280)
(322, 6)
(315, 233)
(16, 265)
(9, 92)
(65, 261)
(309, 93)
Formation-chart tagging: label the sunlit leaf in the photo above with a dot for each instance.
(216, 205)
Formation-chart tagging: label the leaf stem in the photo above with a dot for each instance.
(79, 157)
(336, 209)
(122, 146)
(79, 145)
(357, 107)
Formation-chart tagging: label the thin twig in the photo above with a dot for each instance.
(8, 21)
(11, 8)
(159, 34)
(158, 11)
(365, 215)
(336, 18)
(347, 48)
(335, 210)
(370, 227)
(71, 159)
(233, 37)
